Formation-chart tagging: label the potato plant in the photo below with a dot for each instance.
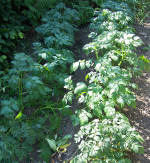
(105, 134)
(30, 107)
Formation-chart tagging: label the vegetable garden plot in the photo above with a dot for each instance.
(105, 134)
(31, 103)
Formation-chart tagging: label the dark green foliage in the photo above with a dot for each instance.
(11, 25)
(16, 18)
(57, 28)
(30, 106)
(23, 110)
(58, 31)
(85, 11)
(37, 8)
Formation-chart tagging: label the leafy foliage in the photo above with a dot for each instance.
(31, 107)
(16, 18)
(57, 28)
(85, 11)
(105, 134)
(37, 8)
(107, 140)
(11, 26)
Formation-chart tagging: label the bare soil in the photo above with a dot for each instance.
(81, 38)
(140, 117)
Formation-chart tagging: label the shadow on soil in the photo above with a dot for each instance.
(140, 117)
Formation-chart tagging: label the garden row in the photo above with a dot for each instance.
(19, 18)
(31, 91)
(105, 135)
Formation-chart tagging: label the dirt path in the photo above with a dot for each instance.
(81, 38)
(140, 118)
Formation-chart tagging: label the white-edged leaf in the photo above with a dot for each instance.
(110, 111)
(80, 87)
(75, 66)
(82, 65)
(52, 144)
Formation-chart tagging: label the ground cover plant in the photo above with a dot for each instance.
(105, 134)
(31, 91)
(32, 100)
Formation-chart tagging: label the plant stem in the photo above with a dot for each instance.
(96, 53)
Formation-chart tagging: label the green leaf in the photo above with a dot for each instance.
(52, 144)
(84, 117)
(83, 120)
(110, 111)
(114, 57)
(19, 115)
(98, 111)
(67, 137)
(144, 63)
(75, 66)
(21, 35)
(81, 99)
(81, 86)
(86, 77)
(120, 101)
(131, 101)
(134, 86)
(45, 152)
(88, 64)
(43, 55)
(75, 120)
(124, 161)
(63, 140)
(137, 148)
(82, 65)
